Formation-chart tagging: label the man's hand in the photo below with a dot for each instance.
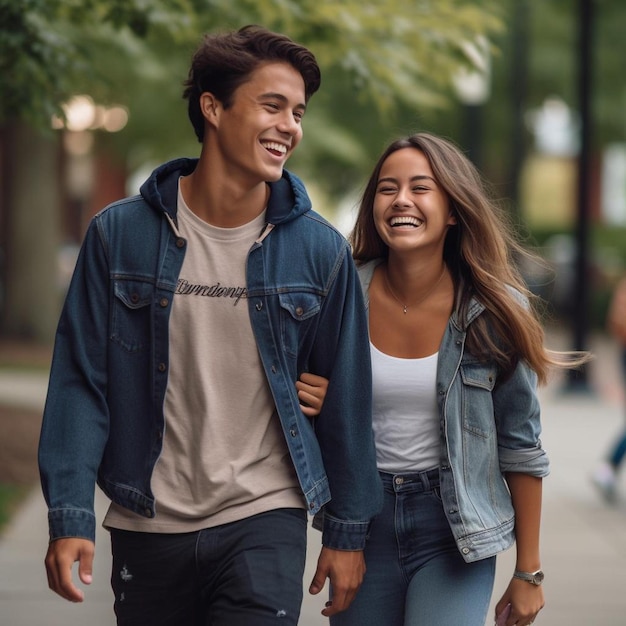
(345, 570)
(61, 556)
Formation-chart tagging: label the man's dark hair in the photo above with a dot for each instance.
(225, 61)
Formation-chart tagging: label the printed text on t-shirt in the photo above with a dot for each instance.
(185, 288)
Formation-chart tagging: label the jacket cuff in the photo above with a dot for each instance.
(533, 461)
(341, 535)
(64, 523)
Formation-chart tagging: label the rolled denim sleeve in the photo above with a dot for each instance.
(530, 461)
(518, 418)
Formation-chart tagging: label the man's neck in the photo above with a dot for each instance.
(221, 201)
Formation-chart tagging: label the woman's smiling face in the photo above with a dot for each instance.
(411, 210)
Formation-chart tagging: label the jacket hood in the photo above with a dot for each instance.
(288, 197)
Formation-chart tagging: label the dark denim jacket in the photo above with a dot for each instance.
(104, 419)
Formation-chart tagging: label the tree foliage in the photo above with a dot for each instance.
(51, 49)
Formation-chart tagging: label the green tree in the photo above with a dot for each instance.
(376, 56)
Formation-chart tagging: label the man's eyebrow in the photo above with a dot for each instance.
(279, 96)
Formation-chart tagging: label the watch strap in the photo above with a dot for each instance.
(535, 578)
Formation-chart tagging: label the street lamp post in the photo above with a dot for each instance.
(578, 379)
(472, 87)
(518, 89)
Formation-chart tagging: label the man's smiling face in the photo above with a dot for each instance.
(262, 127)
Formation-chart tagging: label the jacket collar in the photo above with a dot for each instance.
(475, 308)
(288, 196)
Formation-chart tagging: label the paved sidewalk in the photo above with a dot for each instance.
(583, 540)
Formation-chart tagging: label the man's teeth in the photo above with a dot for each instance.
(275, 147)
(406, 221)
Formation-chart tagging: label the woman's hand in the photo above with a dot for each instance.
(311, 393)
(526, 601)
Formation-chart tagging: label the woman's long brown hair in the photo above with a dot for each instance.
(480, 252)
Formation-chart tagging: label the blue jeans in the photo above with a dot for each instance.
(415, 573)
(247, 573)
(618, 449)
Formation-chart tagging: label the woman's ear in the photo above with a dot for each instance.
(451, 219)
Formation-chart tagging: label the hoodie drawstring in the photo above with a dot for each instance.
(173, 225)
(266, 231)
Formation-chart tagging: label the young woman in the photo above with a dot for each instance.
(456, 355)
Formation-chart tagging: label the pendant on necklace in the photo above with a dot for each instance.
(422, 299)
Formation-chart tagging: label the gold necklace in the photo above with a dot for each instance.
(428, 293)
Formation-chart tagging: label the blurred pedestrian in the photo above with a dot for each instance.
(457, 351)
(605, 475)
(192, 312)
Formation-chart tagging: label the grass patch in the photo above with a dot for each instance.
(10, 498)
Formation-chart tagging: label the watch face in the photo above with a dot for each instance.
(538, 577)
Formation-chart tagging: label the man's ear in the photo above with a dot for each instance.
(210, 107)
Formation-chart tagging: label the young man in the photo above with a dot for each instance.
(193, 310)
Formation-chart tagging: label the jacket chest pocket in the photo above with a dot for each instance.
(298, 316)
(130, 322)
(479, 380)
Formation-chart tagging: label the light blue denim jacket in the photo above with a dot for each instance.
(486, 431)
(103, 418)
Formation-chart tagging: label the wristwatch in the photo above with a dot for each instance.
(534, 578)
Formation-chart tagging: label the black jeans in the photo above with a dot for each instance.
(247, 573)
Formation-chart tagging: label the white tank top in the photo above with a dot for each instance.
(405, 417)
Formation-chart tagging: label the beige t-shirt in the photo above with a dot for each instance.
(224, 455)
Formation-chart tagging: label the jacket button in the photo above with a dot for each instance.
(134, 298)
(273, 369)
(258, 306)
(465, 550)
(162, 367)
(293, 432)
(164, 302)
(299, 311)
(180, 242)
(148, 513)
(312, 505)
